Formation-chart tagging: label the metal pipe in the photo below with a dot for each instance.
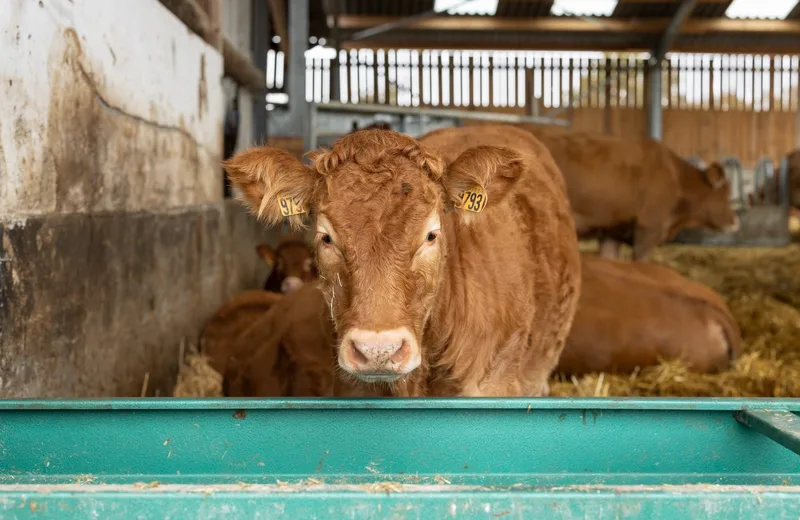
(299, 112)
(441, 113)
(783, 184)
(672, 30)
(655, 112)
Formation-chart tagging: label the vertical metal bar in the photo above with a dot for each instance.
(471, 84)
(607, 98)
(332, 8)
(295, 121)
(655, 112)
(491, 80)
(259, 45)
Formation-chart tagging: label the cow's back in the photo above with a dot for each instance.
(610, 180)
(517, 263)
(290, 352)
(232, 319)
(631, 315)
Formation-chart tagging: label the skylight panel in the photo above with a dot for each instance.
(473, 7)
(583, 7)
(761, 9)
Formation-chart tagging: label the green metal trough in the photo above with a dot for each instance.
(465, 458)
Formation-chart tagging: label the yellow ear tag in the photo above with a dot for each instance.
(473, 199)
(290, 206)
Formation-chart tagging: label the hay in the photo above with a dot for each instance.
(762, 289)
(197, 378)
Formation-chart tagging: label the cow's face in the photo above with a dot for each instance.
(378, 201)
(715, 211)
(292, 266)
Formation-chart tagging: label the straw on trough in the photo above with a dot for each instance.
(762, 289)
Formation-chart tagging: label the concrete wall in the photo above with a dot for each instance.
(115, 242)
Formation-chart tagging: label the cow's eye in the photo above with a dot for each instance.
(326, 239)
(431, 237)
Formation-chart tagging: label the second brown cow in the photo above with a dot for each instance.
(635, 191)
(632, 315)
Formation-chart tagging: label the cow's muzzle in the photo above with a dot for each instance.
(379, 356)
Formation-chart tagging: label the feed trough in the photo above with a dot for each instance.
(431, 458)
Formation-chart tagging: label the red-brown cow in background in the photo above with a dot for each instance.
(292, 265)
(630, 315)
(635, 191)
(291, 268)
(452, 273)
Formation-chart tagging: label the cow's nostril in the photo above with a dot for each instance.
(357, 355)
(401, 354)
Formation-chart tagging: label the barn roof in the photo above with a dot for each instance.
(634, 25)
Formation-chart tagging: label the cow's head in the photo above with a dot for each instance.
(291, 263)
(378, 201)
(713, 206)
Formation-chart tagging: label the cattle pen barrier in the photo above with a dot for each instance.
(420, 458)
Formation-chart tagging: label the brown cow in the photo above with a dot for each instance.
(230, 321)
(635, 191)
(432, 300)
(292, 265)
(289, 352)
(630, 315)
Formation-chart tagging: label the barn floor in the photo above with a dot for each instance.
(762, 288)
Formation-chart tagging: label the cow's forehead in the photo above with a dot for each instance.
(394, 201)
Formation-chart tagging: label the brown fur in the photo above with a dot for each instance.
(635, 191)
(490, 300)
(230, 321)
(290, 352)
(245, 308)
(631, 315)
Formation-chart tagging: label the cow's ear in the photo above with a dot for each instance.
(480, 178)
(715, 175)
(274, 184)
(266, 253)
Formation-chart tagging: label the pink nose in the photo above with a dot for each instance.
(379, 355)
(291, 284)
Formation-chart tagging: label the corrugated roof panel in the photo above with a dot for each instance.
(645, 9)
(515, 8)
(712, 10)
(385, 8)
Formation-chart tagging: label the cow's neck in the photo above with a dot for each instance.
(449, 363)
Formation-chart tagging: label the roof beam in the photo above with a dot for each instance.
(752, 46)
(571, 24)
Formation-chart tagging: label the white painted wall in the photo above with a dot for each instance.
(105, 105)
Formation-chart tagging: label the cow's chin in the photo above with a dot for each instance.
(377, 378)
